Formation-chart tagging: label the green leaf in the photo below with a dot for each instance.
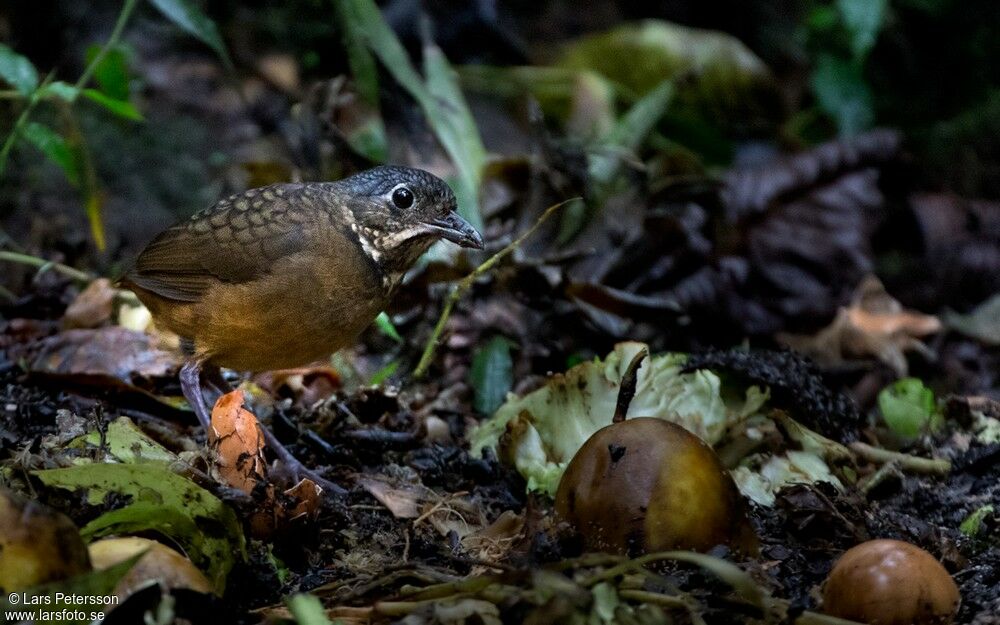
(718, 78)
(17, 70)
(908, 408)
(384, 373)
(191, 19)
(973, 523)
(863, 20)
(152, 485)
(53, 146)
(843, 93)
(491, 375)
(122, 108)
(386, 327)
(630, 131)
(307, 610)
(59, 89)
(127, 443)
(59, 595)
(112, 72)
(359, 58)
(440, 99)
(982, 324)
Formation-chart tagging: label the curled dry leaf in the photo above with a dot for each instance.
(402, 499)
(874, 325)
(306, 385)
(92, 307)
(238, 443)
(160, 564)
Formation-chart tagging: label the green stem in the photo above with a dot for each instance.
(915, 464)
(466, 283)
(43, 265)
(22, 119)
(116, 35)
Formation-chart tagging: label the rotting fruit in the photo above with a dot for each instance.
(890, 582)
(646, 484)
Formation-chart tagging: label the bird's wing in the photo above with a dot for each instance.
(237, 240)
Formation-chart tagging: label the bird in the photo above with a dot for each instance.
(284, 275)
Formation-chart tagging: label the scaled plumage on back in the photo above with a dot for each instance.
(283, 275)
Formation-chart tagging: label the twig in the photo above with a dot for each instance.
(45, 265)
(466, 283)
(914, 464)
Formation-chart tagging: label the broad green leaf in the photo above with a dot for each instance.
(491, 375)
(843, 93)
(54, 146)
(17, 71)
(154, 485)
(127, 443)
(122, 108)
(972, 524)
(189, 17)
(863, 20)
(386, 327)
(908, 408)
(307, 610)
(112, 72)
(59, 595)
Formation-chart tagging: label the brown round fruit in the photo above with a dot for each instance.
(889, 582)
(647, 485)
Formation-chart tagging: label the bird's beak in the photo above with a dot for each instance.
(456, 230)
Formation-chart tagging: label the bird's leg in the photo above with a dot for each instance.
(190, 377)
(191, 374)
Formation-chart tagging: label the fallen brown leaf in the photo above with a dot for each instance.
(238, 444)
(92, 307)
(874, 325)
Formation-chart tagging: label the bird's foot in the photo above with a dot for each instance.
(295, 466)
(190, 376)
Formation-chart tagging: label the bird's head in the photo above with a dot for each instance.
(398, 212)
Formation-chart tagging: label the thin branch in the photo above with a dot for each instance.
(45, 265)
(466, 283)
(914, 464)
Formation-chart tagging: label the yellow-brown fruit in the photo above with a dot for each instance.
(647, 484)
(160, 564)
(37, 544)
(890, 582)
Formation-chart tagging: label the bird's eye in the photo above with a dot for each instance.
(402, 197)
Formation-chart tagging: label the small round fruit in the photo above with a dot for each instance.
(37, 544)
(647, 484)
(890, 582)
(160, 564)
